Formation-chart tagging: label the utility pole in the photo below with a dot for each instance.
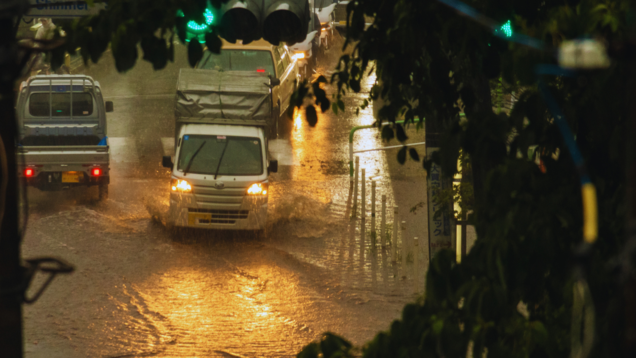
(629, 260)
(10, 269)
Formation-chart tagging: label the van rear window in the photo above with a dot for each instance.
(61, 102)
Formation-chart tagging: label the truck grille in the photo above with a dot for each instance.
(221, 216)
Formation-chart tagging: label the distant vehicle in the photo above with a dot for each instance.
(340, 17)
(258, 57)
(219, 179)
(306, 52)
(62, 133)
(319, 37)
(324, 9)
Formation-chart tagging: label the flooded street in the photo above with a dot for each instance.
(141, 289)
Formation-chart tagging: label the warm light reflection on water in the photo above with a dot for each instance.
(248, 310)
(317, 199)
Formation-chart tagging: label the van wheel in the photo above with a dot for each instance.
(103, 191)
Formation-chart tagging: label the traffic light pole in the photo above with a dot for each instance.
(629, 260)
(10, 269)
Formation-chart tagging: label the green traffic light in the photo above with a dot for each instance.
(209, 18)
(506, 29)
(194, 27)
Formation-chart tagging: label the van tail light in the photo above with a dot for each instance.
(260, 70)
(28, 172)
(96, 172)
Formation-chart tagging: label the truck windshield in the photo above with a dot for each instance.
(239, 60)
(39, 104)
(242, 156)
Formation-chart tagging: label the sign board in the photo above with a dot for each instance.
(62, 9)
(439, 229)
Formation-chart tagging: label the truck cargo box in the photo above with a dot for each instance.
(223, 97)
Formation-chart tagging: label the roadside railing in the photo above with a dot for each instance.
(352, 152)
(399, 243)
(392, 231)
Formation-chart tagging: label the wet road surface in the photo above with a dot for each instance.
(140, 289)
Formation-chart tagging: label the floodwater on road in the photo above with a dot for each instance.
(141, 289)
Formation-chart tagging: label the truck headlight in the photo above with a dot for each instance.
(181, 186)
(299, 55)
(257, 189)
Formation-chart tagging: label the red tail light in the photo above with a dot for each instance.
(96, 172)
(28, 172)
(260, 70)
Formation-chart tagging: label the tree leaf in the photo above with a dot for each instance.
(401, 156)
(341, 105)
(195, 52)
(324, 103)
(414, 155)
(213, 42)
(57, 57)
(155, 51)
(181, 26)
(331, 345)
(401, 134)
(355, 85)
(170, 53)
(387, 133)
(311, 115)
(124, 48)
(312, 350)
(540, 334)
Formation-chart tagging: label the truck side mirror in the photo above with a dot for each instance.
(166, 162)
(274, 82)
(273, 166)
(109, 106)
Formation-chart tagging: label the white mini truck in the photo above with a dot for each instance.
(220, 173)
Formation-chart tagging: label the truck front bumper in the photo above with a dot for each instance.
(250, 215)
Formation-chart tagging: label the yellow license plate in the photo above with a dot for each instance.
(193, 217)
(70, 177)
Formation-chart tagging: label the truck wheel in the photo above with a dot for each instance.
(103, 191)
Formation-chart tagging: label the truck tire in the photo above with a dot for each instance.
(103, 191)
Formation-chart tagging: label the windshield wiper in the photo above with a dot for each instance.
(220, 159)
(187, 168)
